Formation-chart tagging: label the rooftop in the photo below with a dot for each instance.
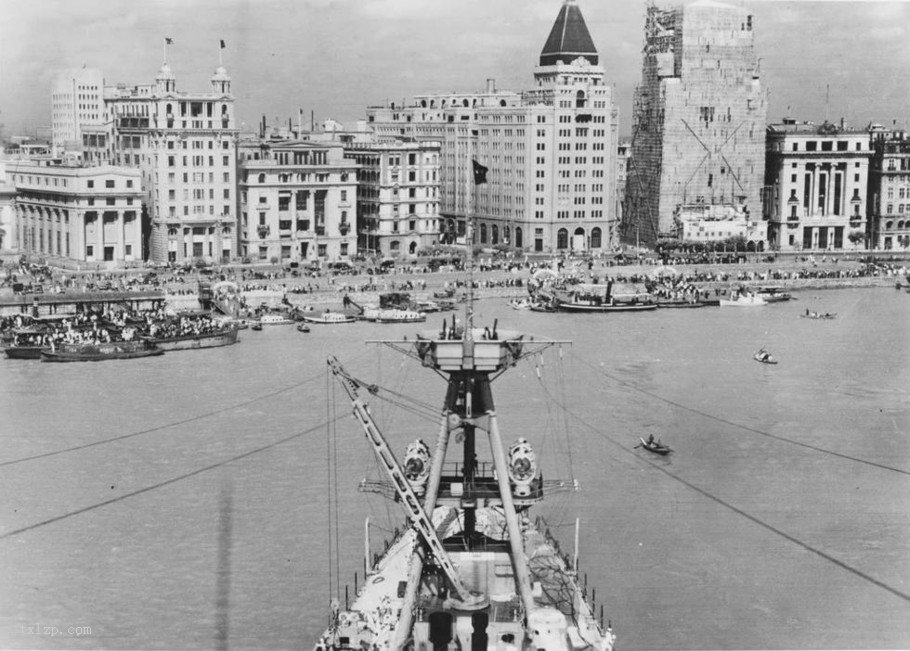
(791, 126)
(569, 39)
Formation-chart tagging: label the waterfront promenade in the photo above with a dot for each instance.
(500, 278)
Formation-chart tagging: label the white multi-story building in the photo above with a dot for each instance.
(889, 190)
(816, 186)
(9, 240)
(185, 145)
(86, 214)
(550, 151)
(718, 222)
(77, 105)
(298, 201)
(397, 196)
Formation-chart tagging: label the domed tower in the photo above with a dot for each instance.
(165, 80)
(221, 81)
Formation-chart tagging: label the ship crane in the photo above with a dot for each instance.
(421, 521)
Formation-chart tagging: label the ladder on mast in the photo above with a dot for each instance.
(418, 516)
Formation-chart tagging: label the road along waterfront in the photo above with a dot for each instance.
(779, 521)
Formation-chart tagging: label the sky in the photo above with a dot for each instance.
(336, 57)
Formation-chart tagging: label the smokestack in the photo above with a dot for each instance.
(491, 85)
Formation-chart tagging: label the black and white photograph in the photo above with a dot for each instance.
(365, 325)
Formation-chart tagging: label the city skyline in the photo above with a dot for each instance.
(336, 57)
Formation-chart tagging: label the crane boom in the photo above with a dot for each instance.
(418, 516)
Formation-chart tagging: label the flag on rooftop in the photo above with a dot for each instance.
(222, 44)
(168, 40)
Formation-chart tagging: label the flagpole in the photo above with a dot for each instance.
(469, 243)
(220, 50)
(165, 50)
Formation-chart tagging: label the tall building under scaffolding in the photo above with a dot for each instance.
(698, 118)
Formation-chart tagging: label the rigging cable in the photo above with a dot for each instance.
(168, 482)
(328, 478)
(748, 428)
(748, 516)
(158, 428)
(334, 487)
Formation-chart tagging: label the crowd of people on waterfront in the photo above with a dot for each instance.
(186, 325)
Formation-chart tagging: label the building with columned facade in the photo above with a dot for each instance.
(83, 214)
(550, 150)
(9, 240)
(817, 178)
(298, 201)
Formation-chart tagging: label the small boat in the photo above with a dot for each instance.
(100, 352)
(655, 446)
(329, 318)
(675, 304)
(764, 357)
(303, 327)
(275, 319)
(256, 326)
(400, 316)
(773, 294)
(523, 304)
(817, 315)
(746, 299)
(24, 351)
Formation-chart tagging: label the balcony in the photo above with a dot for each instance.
(344, 228)
(263, 231)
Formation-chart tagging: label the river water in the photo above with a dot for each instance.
(184, 501)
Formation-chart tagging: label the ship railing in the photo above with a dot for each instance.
(482, 485)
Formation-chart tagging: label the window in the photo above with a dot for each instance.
(90, 183)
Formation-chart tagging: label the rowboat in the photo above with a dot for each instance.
(764, 357)
(655, 446)
(303, 327)
(816, 315)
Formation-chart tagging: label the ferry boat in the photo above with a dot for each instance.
(275, 319)
(328, 318)
(742, 299)
(600, 298)
(99, 352)
(223, 337)
(400, 316)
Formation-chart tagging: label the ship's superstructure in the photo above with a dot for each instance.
(472, 570)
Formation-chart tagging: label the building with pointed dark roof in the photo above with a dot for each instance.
(569, 38)
(550, 150)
